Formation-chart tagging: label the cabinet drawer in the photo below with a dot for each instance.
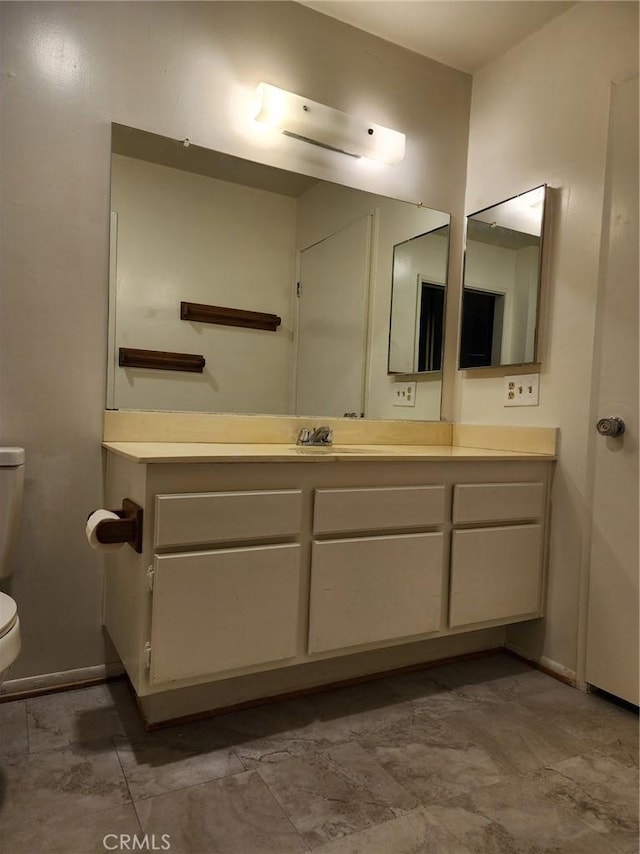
(497, 502)
(217, 611)
(495, 573)
(211, 517)
(374, 589)
(379, 508)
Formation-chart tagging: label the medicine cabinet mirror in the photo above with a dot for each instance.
(241, 288)
(501, 294)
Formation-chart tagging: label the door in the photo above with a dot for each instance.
(332, 322)
(481, 328)
(612, 625)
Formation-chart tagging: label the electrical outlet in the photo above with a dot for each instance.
(522, 390)
(404, 394)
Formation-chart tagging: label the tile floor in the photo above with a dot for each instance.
(480, 757)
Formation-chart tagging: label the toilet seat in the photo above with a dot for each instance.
(8, 614)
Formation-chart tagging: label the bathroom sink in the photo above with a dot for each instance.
(336, 450)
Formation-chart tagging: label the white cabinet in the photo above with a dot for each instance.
(374, 589)
(497, 502)
(496, 570)
(496, 574)
(378, 509)
(221, 610)
(250, 567)
(193, 519)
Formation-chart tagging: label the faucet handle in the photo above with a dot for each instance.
(304, 435)
(322, 436)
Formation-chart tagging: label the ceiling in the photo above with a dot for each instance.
(465, 34)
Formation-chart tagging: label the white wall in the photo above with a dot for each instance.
(180, 70)
(183, 236)
(540, 114)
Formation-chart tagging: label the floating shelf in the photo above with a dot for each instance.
(229, 316)
(160, 360)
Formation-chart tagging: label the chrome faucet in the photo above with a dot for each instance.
(318, 436)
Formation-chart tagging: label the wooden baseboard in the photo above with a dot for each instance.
(565, 677)
(316, 689)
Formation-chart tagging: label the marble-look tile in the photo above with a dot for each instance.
(13, 728)
(591, 719)
(80, 716)
(431, 696)
(236, 815)
(432, 760)
(273, 732)
(65, 784)
(92, 833)
(599, 790)
(176, 758)
(413, 833)
(336, 792)
(517, 816)
(514, 737)
(357, 710)
(493, 679)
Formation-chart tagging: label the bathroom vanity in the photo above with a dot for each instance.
(258, 557)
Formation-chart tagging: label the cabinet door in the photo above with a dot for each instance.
(222, 610)
(217, 517)
(497, 502)
(495, 574)
(378, 508)
(374, 589)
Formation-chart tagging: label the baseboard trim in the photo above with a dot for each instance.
(154, 726)
(83, 677)
(65, 680)
(545, 665)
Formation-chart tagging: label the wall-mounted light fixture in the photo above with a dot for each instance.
(320, 125)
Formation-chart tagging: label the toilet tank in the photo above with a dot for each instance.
(11, 486)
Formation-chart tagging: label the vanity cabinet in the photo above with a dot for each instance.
(216, 611)
(368, 589)
(374, 589)
(254, 566)
(496, 569)
(231, 608)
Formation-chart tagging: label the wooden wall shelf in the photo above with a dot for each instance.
(160, 360)
(229, 316)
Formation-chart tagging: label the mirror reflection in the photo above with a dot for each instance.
(241, 288)
(502, 282)
(418, 295)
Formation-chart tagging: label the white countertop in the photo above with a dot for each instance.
(210, 452)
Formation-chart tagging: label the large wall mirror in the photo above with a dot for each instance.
(241, 288)
(501, 295)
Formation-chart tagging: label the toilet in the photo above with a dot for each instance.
(11, 485)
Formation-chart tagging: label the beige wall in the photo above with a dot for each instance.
(177, 69)
(540, 114)
(183, 236)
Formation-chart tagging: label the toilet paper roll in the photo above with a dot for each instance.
(92, 523)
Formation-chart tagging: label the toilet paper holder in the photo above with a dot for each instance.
(126, 529)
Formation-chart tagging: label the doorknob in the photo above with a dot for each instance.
(613, 426)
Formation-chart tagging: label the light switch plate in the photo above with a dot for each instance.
(404, 394)
(522, 390)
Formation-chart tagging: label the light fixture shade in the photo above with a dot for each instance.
(321, 125)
